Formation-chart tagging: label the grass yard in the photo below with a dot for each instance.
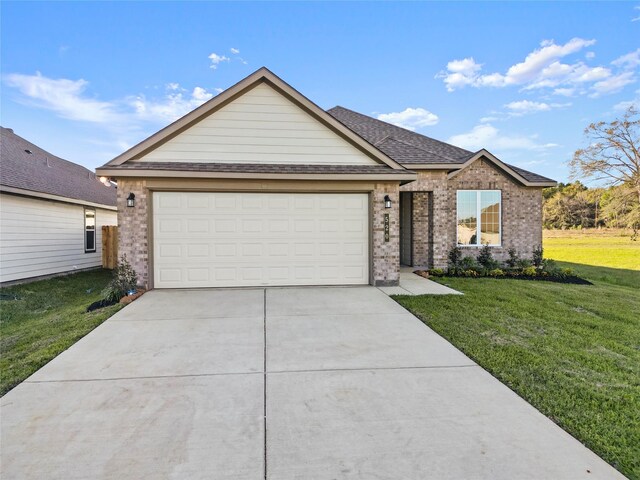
(572, 351)
(40, 320)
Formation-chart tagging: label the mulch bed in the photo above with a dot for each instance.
(106, 303)
(571, 279)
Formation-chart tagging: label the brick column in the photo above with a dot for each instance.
(386, 254)
(132, 228)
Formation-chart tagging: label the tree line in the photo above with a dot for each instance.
(573, 205)
(612, 160)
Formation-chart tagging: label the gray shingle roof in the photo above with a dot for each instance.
(379, 133)
(43, 172)
(410, 148)
(258, 168)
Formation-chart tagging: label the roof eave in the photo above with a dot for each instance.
(58, 198)
(405, 177)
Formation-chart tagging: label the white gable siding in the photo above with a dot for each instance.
(42, 237)
(261, 126)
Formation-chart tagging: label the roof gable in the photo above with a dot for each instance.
(528, 179)
(259, 120)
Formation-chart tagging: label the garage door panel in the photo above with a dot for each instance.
(251, 239)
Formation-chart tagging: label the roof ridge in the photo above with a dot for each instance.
(404, 130)
(390, 137)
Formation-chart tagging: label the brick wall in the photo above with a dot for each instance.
(521, 210)
(422, 232)
(132, 228)
(386, 255)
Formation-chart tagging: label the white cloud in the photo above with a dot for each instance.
(524, 107)
(489, 137)
(565, 92)
(410, 118)
(235, 51)
(63, 96)
(538, 66)
(612, 84)
(170, 107)
(217, 60)
(630, 60)
(590, 55)
(544, 68)
(635, 19)
(69, 99)
(625, 105)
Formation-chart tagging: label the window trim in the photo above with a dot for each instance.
(479, 218)
(85, 230)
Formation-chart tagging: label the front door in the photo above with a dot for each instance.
(406, 233)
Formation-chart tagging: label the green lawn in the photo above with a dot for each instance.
(572, 351)
(39, 320)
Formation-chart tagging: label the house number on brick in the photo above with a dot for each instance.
(386, 227)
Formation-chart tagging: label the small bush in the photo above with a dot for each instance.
(124, 280)
(496, 272)
(530, 271)
(537, 259)
(485, 259)
(436, 272)
(470, 273)
(454, 257)
(566, 272)
(523, 263)
(513, 259)
(468, 263)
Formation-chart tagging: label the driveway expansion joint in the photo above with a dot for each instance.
(147, 377)
(367, 369)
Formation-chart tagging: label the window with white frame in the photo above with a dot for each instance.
(479, 217)
(89, 230)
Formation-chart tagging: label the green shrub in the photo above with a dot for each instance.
(537, 259)
(436, 272)
(523, 263)
(567, 272)
(485, 259)
(496, 272)
(470, 273)
(512, 261)
(124, 280)
(530, 271)
(468, 263)
(454, 258)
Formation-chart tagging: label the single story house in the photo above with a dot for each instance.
(51, 212)
(260, 186)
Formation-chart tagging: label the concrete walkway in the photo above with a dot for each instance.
(298, 383)
(412, 284)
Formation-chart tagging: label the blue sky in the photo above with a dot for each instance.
(88, 80)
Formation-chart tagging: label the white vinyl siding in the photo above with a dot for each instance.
(261, 126)
(43, 237)
(254, 239)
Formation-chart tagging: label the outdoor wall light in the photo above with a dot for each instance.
(131, 200)
(387, 201)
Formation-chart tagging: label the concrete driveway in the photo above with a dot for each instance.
(291, 383)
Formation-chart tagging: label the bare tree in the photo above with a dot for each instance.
(612, 155)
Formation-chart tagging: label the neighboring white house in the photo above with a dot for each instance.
(51, 212)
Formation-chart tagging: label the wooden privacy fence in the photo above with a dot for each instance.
(109, 246)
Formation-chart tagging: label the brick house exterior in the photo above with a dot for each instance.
(356, 158)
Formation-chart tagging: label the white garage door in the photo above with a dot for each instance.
(252, 239)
